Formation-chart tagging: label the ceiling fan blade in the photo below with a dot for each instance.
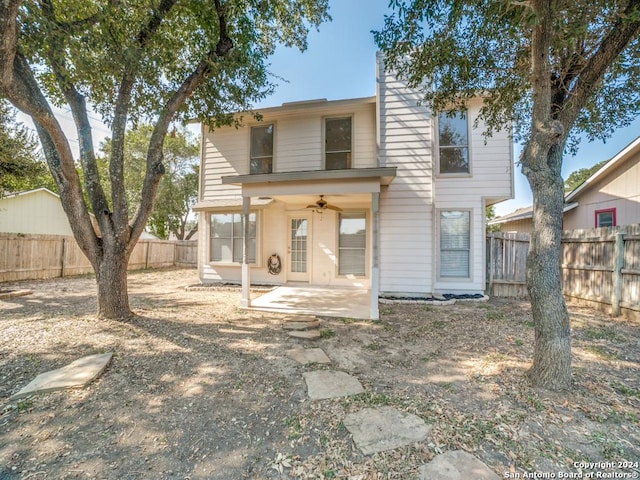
(311, 206)
(333, 207)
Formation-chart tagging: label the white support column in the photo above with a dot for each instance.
(375, 254)
(245, 301)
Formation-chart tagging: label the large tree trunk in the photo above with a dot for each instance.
(552, 354)
(111, 277)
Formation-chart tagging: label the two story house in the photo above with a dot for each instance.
(377, 193)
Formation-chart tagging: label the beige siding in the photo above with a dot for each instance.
(36, 212)
(521, 226)
(406, 258)
(620, 190)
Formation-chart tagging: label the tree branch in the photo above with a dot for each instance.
(154, 155)
(26, 95)
(120, 117)
(612, 44)
(8, 41)
(78, 107)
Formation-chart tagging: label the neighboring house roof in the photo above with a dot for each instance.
(29, 192)
(621, 157)
(524, 213)
(571, 198)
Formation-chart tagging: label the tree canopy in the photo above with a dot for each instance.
(178, 188)
(142, 61)
(577, 177)
(21, 164)
(551, 69)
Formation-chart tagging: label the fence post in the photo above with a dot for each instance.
(491, 255)
(147, 253)
(618, 265)
(62, 255)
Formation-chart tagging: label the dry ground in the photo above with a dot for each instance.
(200, 389)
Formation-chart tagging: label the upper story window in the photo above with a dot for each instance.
(337, 141)
(606, 217)
(453, 141)
(261, 149)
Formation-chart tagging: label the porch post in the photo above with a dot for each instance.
(375, 253)
(245, 301)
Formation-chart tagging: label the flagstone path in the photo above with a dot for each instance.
(373, 429)
(379, 429)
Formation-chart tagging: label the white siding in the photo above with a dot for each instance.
(406, 246)
(298, 144)
(491, 177)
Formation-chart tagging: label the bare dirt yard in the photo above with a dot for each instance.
(199, 389)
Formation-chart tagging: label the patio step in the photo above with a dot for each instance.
(301, 325)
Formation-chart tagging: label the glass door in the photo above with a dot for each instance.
(297, 249)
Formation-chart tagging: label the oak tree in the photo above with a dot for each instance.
(552, 68)
(153, 61)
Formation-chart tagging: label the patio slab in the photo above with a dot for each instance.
(77, 374)
(312, 300)
(456, 465)
(323, 384)
(385, 428)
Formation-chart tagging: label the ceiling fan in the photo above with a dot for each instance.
(321, 205)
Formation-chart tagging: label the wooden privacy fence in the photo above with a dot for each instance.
(599, 266)
(28, 257)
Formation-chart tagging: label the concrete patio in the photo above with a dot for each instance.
(311, 300)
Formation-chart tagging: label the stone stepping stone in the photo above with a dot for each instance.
(76, 374)
(301, 325)
(456, 465)
(8, 293)
(300, 318)
(308, 355)
(323, 384)
(385, 428)
(305, 334)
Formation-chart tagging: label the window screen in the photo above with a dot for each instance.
(226, 237)
(261, 149)
(455, 244)
(337, 133)
(453, 141)
(352, 244)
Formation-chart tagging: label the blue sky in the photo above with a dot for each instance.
(340, 63)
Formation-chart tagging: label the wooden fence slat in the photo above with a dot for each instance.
(599, 265)
(31, 257)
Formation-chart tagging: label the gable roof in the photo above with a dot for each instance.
(622, 156)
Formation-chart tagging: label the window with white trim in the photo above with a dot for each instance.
(453, 142)
(337, 141)
(261, 151)
(455, 244)
(226, 237)
(352, 243)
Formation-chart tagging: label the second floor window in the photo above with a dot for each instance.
(337, 141)
(453, 140)
(261, 149)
